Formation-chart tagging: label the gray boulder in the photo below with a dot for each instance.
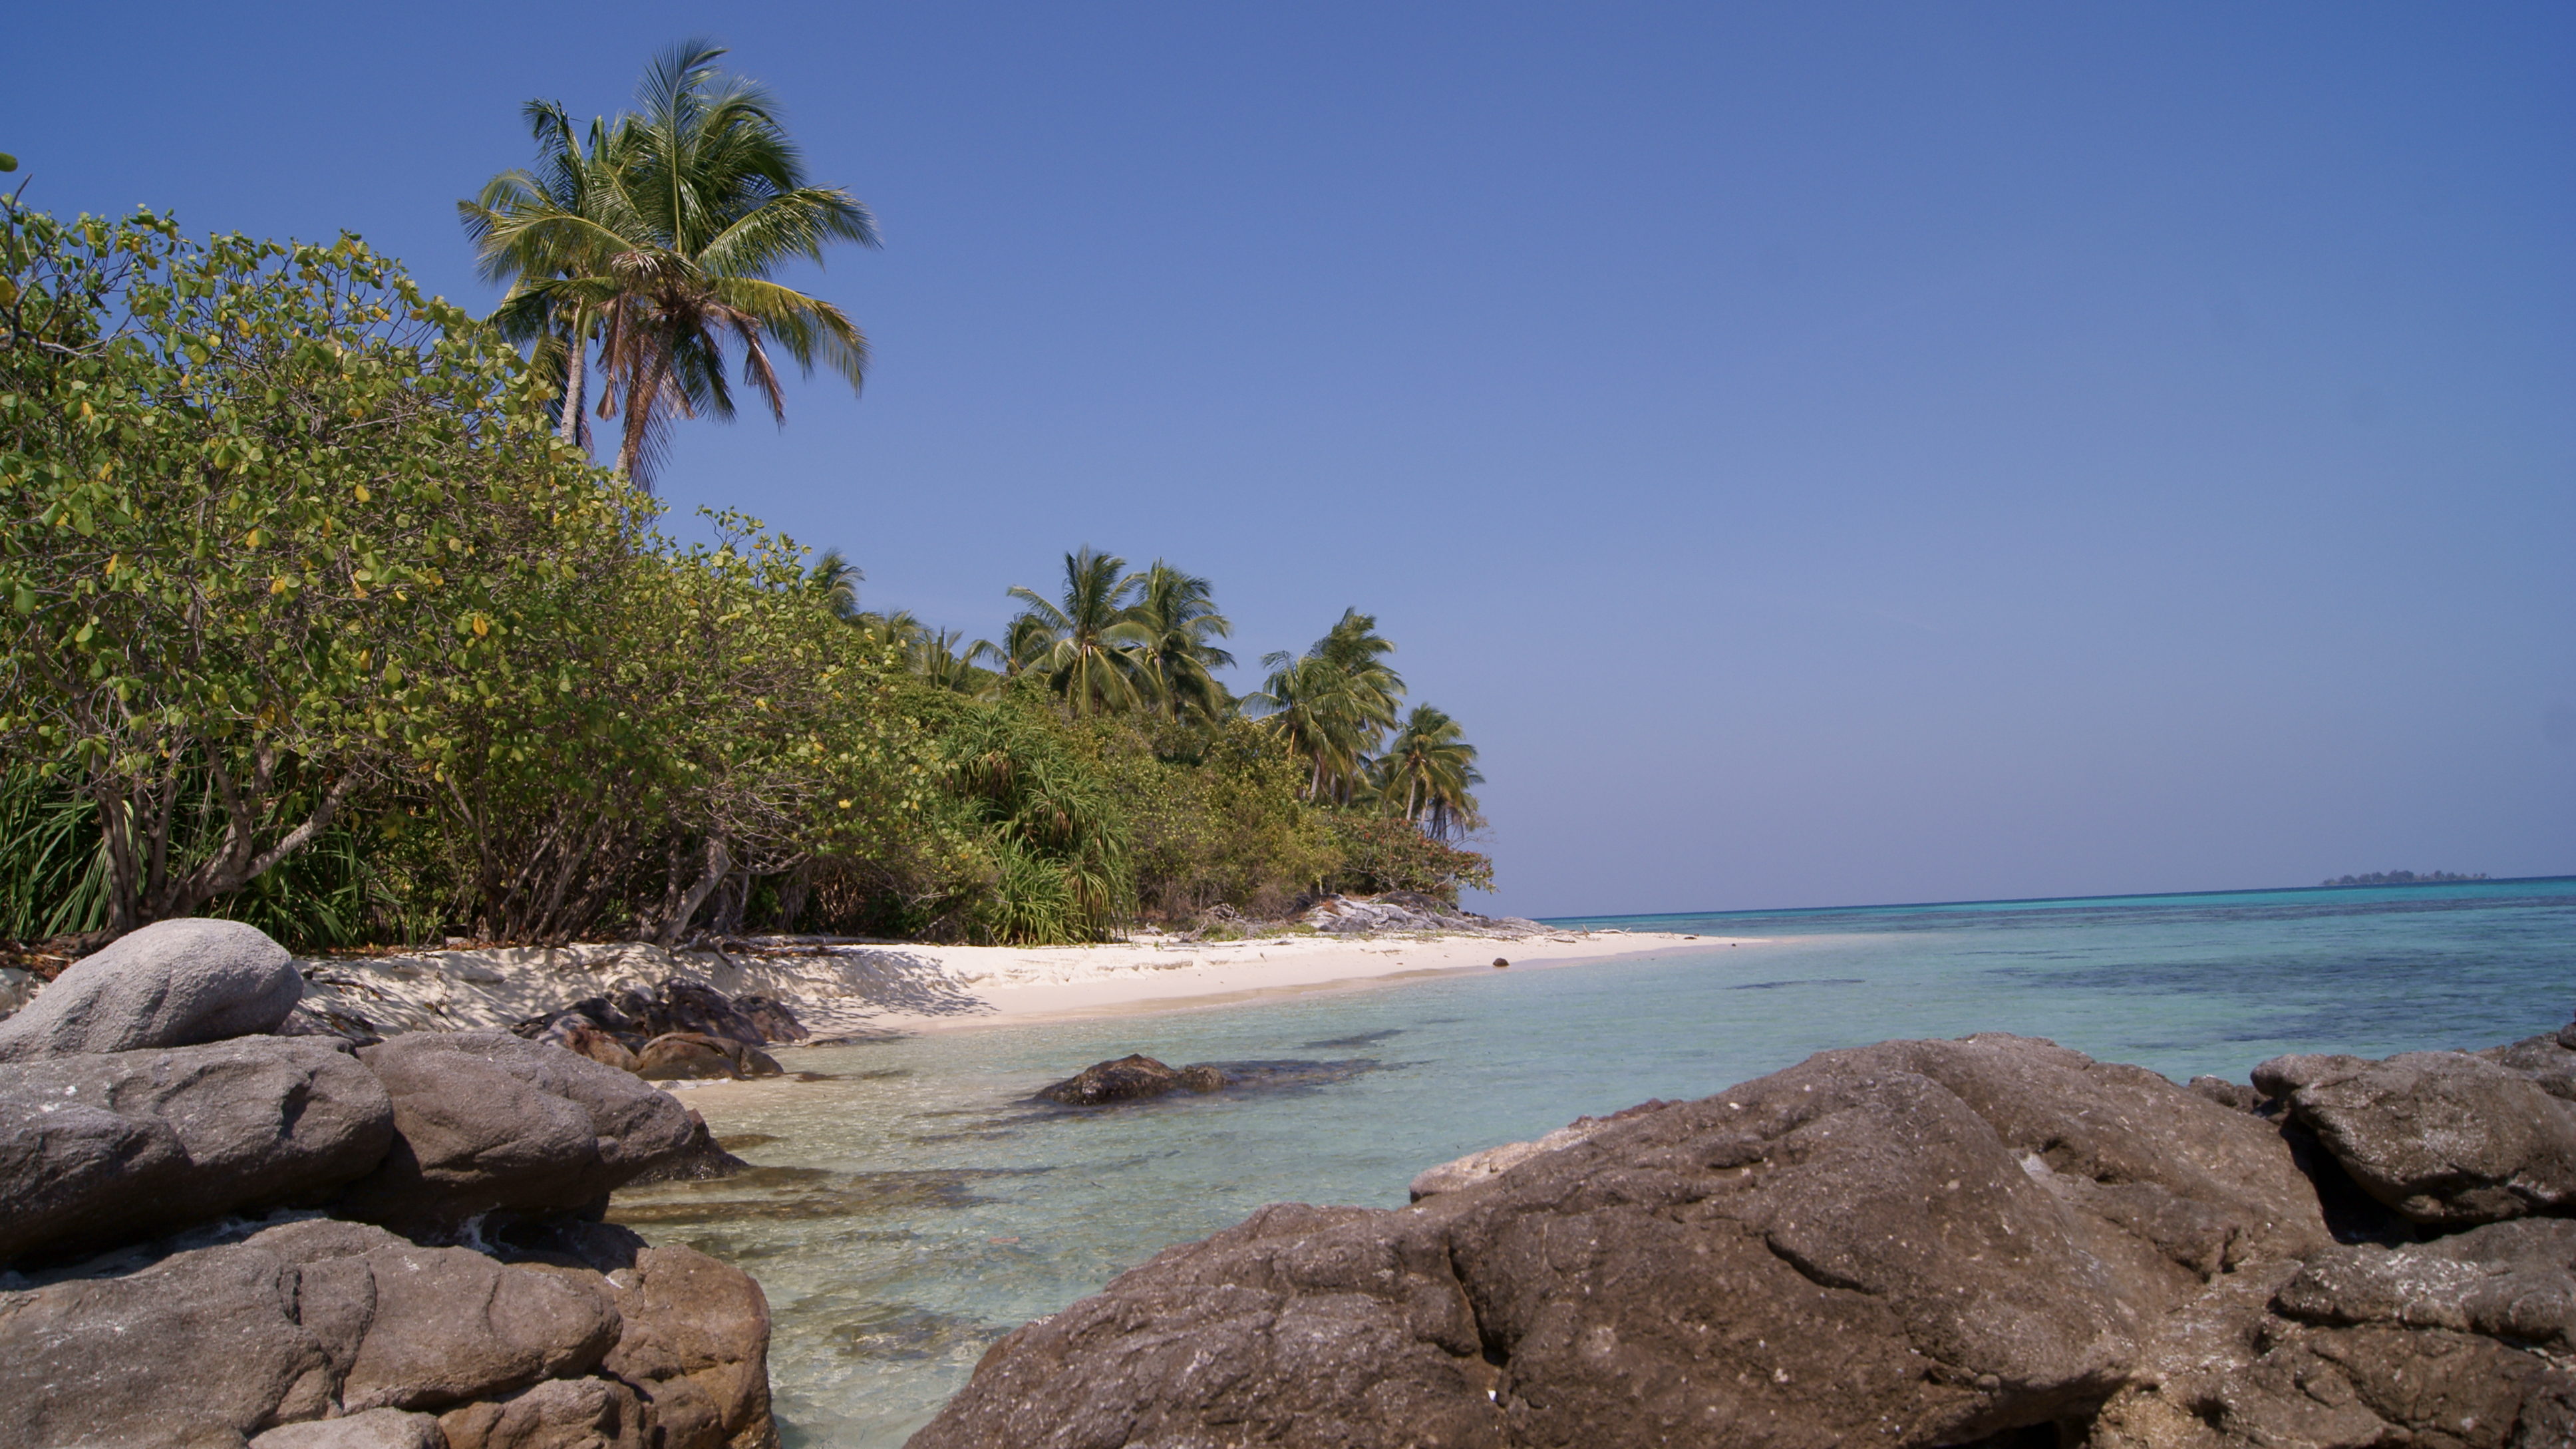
(2442, 1137)
(1911, 1244)
(172, 983)
(296, 1323)
(374, 1429)
(485, 1121)
(100, 1149)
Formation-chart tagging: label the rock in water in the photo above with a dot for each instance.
(1916, 1243)
(690, 1055)
(486, 1121)
(1129, 1079)
(776, 1022)
(703, 1160)
(2442, 1137)
(100, 1149)
(173, 983)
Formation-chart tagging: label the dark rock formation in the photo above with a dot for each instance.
(692, 1007)
(101, 1149)
(1128, 1079)
(2443, 1137)
(486, 1121)
(695, 1345)
(684, 1055)
(773, 1019)
(703, 1160)
(175, 983)
(330, 1023)
(1914, 1243)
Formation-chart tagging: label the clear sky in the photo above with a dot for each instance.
(1823, 453)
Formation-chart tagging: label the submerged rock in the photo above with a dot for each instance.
(1130, 1078)
(173, 983)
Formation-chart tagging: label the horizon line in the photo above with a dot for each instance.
(2044, 900)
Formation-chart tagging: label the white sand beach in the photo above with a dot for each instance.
(859, 990)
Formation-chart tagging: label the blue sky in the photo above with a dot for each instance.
(1824, 454)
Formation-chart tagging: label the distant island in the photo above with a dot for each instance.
(2402, 877)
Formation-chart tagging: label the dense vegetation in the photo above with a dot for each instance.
(316, 612)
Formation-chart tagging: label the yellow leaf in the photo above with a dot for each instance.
(363, 494)
(277, 585)
(115, 562)
(253, 540)
(482, 626)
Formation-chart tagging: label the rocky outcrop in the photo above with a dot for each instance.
(101, 1149)
(547, 1332)
(1410, 911)
(2443, 1137)
(1130, 1078)
(175, 983)
(1915, 1243)
(486, 1121)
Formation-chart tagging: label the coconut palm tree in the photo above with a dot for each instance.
(1178, 612)
(540, 231)
(835, 580)
(659, 240)
(1427, 772)
(1331, 705)
(1090, 648)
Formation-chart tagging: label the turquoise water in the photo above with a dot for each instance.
(913, 1207)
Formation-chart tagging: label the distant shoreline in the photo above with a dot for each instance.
(1598, 922)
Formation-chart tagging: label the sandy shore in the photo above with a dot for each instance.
(863, 991)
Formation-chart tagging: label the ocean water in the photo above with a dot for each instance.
(912, 1205)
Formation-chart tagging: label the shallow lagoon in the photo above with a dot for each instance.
(915, 1206)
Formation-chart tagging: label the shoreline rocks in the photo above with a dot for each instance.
(1131, 1078)
(241, 1299)
(1911, 1244)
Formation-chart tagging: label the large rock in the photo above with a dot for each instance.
(298, 1322)
(98, 1149)
(2442, 1137)
(1130, 1078)
(587, 1413)
(485, 1121)
(2513, 1280)
(1915, 1243)
(696, 1346)
(691, 1055)
(173, 983)
(374, 1429)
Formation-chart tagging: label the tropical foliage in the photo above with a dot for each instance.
(315, 611)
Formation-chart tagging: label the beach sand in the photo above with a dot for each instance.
(877, 990)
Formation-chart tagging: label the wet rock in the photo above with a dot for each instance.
(486, 1121)
(295, 1323)
(2442, 1137)
(696, 1346)
(1915, 1243)
(374, 1429)
(173, 983)
(683, 1055)
(582, 1039)
(1130, 1078)
(112, 1147)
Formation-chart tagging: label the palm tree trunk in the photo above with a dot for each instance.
(576, 385)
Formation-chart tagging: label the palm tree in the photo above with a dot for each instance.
(540, 231)
(1430, 767)
(836, 580)
(1089, 647)
(660, 239)
(1331, 705)
(1178, 613)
